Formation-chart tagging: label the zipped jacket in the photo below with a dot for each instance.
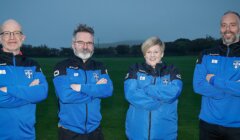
(220, 96)
(18, 104)
(153, 97)
(80, 111)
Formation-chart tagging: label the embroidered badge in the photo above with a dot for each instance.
(165, 81)
(2, 71)
(127, 75)
(142, 78)
(28, 73)
(75, 74)
(236, 64)
(56, 73)
(96, 76)
(179, 76)
(214, 61)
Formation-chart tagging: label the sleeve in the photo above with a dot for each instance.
(227, 86)
(99, 90)
(63, 90)
(201, 85)
(32, 94)
(137, 96)
(9, 101)
(168, 92)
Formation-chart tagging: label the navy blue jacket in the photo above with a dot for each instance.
(153, 97)
(80, 111)
(220, 96)
(18, 105)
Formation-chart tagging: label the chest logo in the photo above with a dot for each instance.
(214, 61)
(75, 74)
(28, 73)
(142, 78)
(165, 81)
(96, 76)
(2, 71)
(236, 64)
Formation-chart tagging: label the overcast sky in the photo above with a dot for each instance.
(52, 22)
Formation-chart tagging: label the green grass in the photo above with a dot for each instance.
(114, 108)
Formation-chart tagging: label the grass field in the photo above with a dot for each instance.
(114, 108)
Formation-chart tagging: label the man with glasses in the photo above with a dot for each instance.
(80, 83)
(22, 85)
(217, 80)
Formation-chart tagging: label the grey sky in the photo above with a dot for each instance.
(52, 22)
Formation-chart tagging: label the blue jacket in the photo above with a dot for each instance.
(18, 105)
(153, 97)
(80, 111)
(220, 96)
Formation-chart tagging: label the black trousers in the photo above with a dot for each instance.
(217, 132)
(65, 134)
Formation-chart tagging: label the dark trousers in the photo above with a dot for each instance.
(65, 134)
(217, 132)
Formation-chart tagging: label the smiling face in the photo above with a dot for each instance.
(11, 37)
(230, 29)
(83, 45)
(153, 55)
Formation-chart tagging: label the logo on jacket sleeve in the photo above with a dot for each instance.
(56, 73)
(28, 73)
(236, 64)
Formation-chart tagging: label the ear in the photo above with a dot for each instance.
(162, 54)
(73, 44)
(23, 37)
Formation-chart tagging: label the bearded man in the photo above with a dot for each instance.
(80, 84)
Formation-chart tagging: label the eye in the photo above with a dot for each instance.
(6, 33)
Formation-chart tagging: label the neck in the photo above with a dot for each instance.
(14, 52)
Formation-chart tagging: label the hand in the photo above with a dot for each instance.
(76, 87)
(3, 89)
(34, 82)
(209, 76)
(102, 81)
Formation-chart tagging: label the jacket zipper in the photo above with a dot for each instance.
(150, 116)
(86, 106)
(228, 50)
(14, 71)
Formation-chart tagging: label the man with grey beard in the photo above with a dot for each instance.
(217, 80)
(80, 83)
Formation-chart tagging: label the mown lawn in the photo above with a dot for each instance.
(114, 108)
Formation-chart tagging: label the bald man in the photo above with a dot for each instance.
(217, 80)
(22, 85)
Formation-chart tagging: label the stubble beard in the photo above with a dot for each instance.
(229, 41)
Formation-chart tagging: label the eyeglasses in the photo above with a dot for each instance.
(82, 43)
(7, 34)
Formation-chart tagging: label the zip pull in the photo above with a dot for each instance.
(228, 50)
(14, 60)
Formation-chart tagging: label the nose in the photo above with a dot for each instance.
(11, 36)
(85, 46)
(152, 54)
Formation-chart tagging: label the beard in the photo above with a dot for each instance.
(84, 54)
(233, 39)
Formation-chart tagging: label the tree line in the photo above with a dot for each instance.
(179, 47)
